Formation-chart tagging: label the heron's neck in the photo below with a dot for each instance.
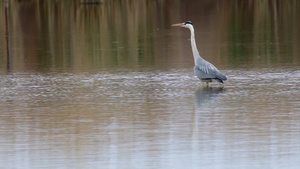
(194, 47)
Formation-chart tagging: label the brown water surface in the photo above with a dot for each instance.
(111, 85)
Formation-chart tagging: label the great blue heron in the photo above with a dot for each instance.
(204, 70)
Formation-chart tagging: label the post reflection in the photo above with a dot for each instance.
(7, 38)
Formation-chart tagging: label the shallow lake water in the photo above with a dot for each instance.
(112, 85)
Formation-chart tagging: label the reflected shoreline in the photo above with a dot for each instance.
(128, 34)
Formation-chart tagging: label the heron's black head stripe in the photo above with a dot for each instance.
(188, 22)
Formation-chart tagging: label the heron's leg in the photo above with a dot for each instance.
(202, 83)
(207, 84)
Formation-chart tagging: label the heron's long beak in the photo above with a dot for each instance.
(178, 24)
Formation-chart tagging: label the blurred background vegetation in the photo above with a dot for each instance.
(70, 35)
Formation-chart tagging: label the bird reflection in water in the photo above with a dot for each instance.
(206, 94)
(203, 96)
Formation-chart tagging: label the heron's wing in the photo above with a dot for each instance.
(206, 70)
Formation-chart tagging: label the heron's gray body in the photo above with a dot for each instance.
(207, 72)
(204, 70)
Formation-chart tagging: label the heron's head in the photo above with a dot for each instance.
(186, 24)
